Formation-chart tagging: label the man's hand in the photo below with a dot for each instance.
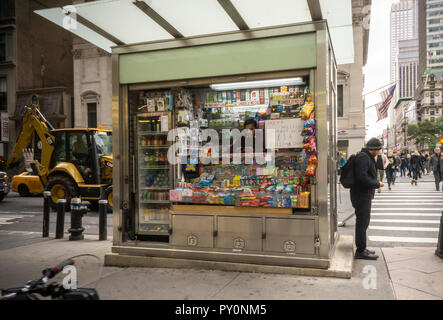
(382, 184)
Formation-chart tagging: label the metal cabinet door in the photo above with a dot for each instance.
(292, 236)
(239, 233)
(192, 231)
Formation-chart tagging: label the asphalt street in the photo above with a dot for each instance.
(21, 220)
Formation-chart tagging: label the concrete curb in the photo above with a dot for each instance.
(340, 267)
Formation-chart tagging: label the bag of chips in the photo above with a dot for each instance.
(308, 138)
(309, 122)
(310, 171)
(307, 110)
(303, 156)
(313, 159)
(308, 131)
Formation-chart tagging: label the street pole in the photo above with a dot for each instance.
(46, 214)
(387, 138)
(406, 130)
(60, 222)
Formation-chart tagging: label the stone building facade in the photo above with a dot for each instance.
(350, 82)
(92, 86)
(35, 59)
(430, 105)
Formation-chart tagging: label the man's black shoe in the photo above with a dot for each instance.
(366, 255)
(370, 251)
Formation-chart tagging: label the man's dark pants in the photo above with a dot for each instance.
(437, 178)
(362, 205)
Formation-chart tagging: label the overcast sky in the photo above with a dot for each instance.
(377, 67)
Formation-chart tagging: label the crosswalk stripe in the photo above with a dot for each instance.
(418, 193)
(22, 212)
(404, 228)
(427, 195)
(6, 219)
(403, 239)
(379, 208)
(406, 214)
(391, 203)
(10, 232)
(405, 221)
(11, 217)
(408, 197)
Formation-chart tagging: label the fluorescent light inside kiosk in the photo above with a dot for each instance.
(258, 84)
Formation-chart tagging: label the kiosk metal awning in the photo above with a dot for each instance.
(110, 23)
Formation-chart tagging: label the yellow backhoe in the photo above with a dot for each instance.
(74, 162)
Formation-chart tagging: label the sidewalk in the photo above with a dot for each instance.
(24, 263)
(416, 273)
(399, 273)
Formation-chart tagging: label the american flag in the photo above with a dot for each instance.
(383, 107)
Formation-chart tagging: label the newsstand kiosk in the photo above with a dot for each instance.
(168, 95)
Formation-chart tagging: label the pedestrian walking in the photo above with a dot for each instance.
(436, 165)
(342, 161)
(404, 164)
(422, 162)
(390, 171)
(415, 167)
(381, 164)
(408, 159)
(428, 164)
(396, 166)
(362, 193)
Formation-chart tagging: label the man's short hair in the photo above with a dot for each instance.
(251, 121)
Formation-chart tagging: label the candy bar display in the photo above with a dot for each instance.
(282, 184)
(248, 186)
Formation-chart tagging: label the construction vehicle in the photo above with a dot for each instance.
(74, 162)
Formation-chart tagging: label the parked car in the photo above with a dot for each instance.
(4, 185)
(26, 184)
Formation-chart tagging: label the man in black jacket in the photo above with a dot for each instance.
(436, 165)
(362, 194)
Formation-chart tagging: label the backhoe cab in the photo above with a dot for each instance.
(74, 162)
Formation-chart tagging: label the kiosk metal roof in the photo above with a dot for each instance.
(110, 23)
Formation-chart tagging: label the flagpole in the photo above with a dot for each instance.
(364, 94)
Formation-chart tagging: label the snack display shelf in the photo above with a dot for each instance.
(154, 168)
(154, 147)
(152, 132)
(153, 233)
(151, 114)
(157, 221)
(155, 201)
(164, 188)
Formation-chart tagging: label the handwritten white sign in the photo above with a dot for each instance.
(284, 133)
(4, 126)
